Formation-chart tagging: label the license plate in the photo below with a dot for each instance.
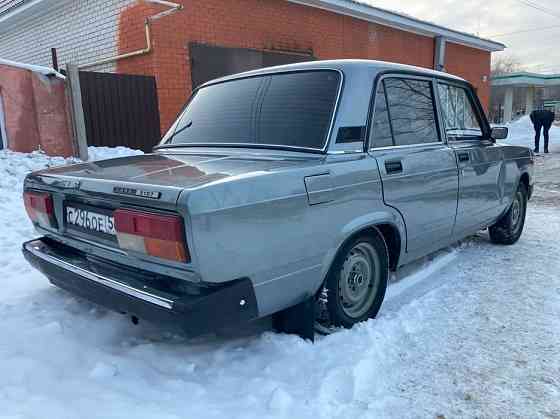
(90, 220)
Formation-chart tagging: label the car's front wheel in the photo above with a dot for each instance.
(508, 229)
(355, 286)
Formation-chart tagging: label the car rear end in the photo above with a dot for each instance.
(125, 245)
(119, 232)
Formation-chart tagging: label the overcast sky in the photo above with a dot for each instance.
(537, 50)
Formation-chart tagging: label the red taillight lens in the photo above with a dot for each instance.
(154, 234)
(40, 208)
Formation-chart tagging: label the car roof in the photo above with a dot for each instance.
(345, 66)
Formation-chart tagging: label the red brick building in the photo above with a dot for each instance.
(207, 38)
(320, 29)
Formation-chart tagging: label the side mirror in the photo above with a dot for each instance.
(499, 133)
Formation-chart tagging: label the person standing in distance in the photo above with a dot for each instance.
(542, 120)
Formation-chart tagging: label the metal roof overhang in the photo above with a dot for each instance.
(526, 80)
(403, 22)
(24, 9)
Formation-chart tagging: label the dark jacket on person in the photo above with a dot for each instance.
(542, 117)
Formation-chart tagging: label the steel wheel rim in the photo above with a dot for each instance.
(516, 211)
(324, 329)
(359, 280)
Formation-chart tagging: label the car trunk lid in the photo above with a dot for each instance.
(150, 182)
(151, 178)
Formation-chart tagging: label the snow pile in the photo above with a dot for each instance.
(473, 333)
(101, 153)
(16, 275)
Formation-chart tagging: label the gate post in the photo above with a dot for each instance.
(77, 111)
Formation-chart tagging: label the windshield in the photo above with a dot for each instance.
(283, 109)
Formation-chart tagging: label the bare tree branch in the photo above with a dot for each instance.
(505, 64)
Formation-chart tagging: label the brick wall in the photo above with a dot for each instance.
(35, 112)
(271, 24)
(471, 64)
(16, 92)
(81, 30)
(389, 44)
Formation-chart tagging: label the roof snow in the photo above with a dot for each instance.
(46, 71)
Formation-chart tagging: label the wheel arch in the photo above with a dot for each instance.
(390, 234)
(525, 180)
(392, 238)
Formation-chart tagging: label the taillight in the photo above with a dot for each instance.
(40, 208)
(156, 235)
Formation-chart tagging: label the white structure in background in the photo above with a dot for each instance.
(3, 135)
(517, 94)
(81, 31)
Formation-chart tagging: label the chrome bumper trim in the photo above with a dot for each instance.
(103, 280)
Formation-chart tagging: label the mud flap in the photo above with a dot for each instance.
(298, 320)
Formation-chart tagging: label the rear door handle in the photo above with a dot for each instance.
(393, 166)
(463, 157)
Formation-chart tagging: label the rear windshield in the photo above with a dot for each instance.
(283, 109)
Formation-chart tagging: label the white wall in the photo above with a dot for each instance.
(82, 31)
(3, 135)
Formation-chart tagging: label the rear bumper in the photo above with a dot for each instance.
(128, 290)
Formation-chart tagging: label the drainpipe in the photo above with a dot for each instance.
(439, 53)
(173, 7)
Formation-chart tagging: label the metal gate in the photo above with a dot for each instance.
(120, 110)
(210, 62)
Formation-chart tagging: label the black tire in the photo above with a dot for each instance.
(355, 285)
(509, 228)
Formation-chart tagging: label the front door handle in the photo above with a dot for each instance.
(464, 157)
(393, 166)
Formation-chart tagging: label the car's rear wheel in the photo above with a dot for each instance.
(508, 229)
(355, 286)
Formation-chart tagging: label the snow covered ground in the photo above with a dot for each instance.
(471, 332)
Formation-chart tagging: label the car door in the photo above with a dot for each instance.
(480, 161)
(418, 170)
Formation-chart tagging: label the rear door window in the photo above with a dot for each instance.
(458, 113)
(381, 135)
(411, 111)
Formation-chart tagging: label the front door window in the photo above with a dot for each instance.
(459, 116)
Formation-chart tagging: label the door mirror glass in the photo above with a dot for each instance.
(499, 133)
